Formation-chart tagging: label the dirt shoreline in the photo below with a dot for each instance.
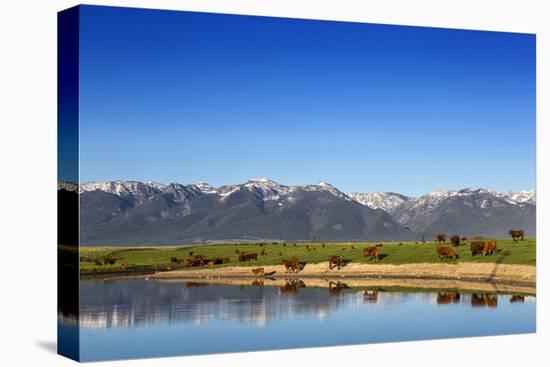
(523, 276)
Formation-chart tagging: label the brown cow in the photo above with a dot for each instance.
(444, 252)
(335, 261)
(517, 298)
(292, 286)
(110, 260)
(455, 240)
(371, 252)
(193, 262)
(490, 300)
(444, 298)
(476, 300)
(516, 234)
(258, 271)
(490, 248)
(173, 260)
(258, 283)
(291, 265)
(477, 247)
(335, 288)
(219, 260)
(370, 296)
(249, 257)
(485, 299)
(442, 237)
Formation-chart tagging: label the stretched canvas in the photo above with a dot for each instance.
(235, 183)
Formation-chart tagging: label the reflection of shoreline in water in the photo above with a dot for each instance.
(132, 303)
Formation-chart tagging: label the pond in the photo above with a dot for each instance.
(135, 318)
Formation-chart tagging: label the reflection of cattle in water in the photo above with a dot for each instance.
(371, 253)
(517, 298)
(491, 300)
(476, 247)
(444, 298)
(291, 265)
(335, 288)
(444, 252)
(292, 286)
(516, 234)
(490, 248)
(455, 240)
(370, 295)
(258, 283)
(335, 261)
(484, 300)
(442, 237)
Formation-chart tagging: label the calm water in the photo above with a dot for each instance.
(139, 318)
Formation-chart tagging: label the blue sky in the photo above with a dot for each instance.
(183, 97)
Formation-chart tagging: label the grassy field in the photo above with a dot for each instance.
(510, 252)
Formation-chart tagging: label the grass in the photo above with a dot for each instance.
(510, 252)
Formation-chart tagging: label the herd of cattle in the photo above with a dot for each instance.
(293, 265)
(484, 247)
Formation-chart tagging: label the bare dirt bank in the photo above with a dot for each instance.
(493, 274)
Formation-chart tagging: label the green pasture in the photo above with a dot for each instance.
(509, 252)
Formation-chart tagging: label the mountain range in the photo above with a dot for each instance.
(146, 213)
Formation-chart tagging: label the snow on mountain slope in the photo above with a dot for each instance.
(140, 191)
(524, 196)
(266, 189)
(387, 201)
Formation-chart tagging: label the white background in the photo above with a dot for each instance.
(28, 180)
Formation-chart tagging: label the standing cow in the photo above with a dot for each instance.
(442, 237)
(455, 240)
(371, 252)
(516, 234)
(335, 262)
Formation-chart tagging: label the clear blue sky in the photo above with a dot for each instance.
(183, 97)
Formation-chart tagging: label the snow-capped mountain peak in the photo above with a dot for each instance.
(205, 188)
(387, 201)
(529, 196)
